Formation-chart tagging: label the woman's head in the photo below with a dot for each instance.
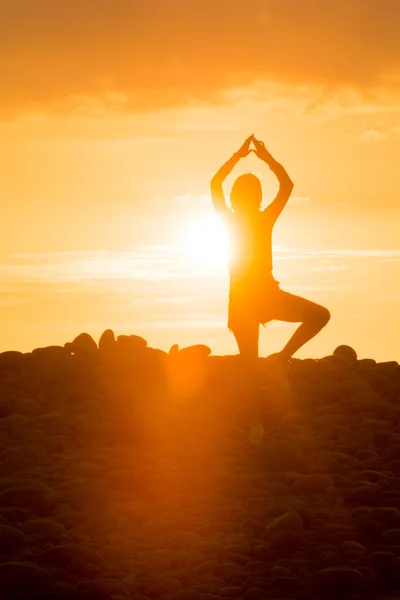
(246, 194)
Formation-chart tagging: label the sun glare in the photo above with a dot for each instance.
(206, 244)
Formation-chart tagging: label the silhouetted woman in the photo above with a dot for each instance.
(255, 296)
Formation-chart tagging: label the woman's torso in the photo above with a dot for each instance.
(250, 250)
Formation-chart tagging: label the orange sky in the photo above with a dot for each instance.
(114, 115)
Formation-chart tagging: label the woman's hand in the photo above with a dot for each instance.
(260, 150)
(245, 149)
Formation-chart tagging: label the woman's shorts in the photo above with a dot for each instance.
(252, 303)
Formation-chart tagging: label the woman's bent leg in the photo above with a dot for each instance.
(294, 309)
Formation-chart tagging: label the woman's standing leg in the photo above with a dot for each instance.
(247, 335)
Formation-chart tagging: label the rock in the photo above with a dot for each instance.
(81, 494)
(83, 470)
(28, 407)
(346, 352)
(363, 496)
(239, 541)
(34, 450)
(312, 484)
(11, 359)
(5, 408)
(272, 511)
(290, 521)
(278, 571)
(163, 558)
(232, 591)
(350, 387)
(198, 351)
(287, 541)
(284, 457)
(381, 558)
(62, 556)
(208, 547)
(394, 466)
(131, 343)
(367, 363)
(11, 451)
(101, 586)
(391, 453)
(11, 540)
(352, 546)
(84, 343)
(185, 594)
(388, 516)
(46, 527)
(61, 587)
(52, 364)
(339, 580)
(20, 578)
(62, 591)
(254, 593)
(391, 537)
(82, 568)
(49, 351)
(107, 342)
(170, 584)
(208, 566)
(27, 497)
(16, 462)
(118, 553)
(240, 559)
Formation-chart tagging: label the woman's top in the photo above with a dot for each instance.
(250, 250)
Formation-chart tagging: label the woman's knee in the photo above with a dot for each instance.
(318, 317)
(322, 316)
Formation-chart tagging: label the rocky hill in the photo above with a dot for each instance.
(127, 472)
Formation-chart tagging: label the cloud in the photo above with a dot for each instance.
(300, 199)
(125, 54)
(375, 135)
(101, 269)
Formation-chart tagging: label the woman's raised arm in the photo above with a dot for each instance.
(285, 183)
(217, 193)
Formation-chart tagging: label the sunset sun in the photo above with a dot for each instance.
(205, 243)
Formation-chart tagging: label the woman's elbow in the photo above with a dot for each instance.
(289, 185)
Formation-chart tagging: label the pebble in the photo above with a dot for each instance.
(20, 578)
(312, 484)
(28, 407)
(346, 352)
(185, 594)
(287, 541)
(11, 539)
(388, 516)
(195, 351)
(391, 537)
(26, 497)
(84, 343)
(107, 341)
(46, 527)
(290, 521)
(364, 496)
(339, 580)
(5, 407)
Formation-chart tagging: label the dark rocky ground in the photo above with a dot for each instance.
(127, 473)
